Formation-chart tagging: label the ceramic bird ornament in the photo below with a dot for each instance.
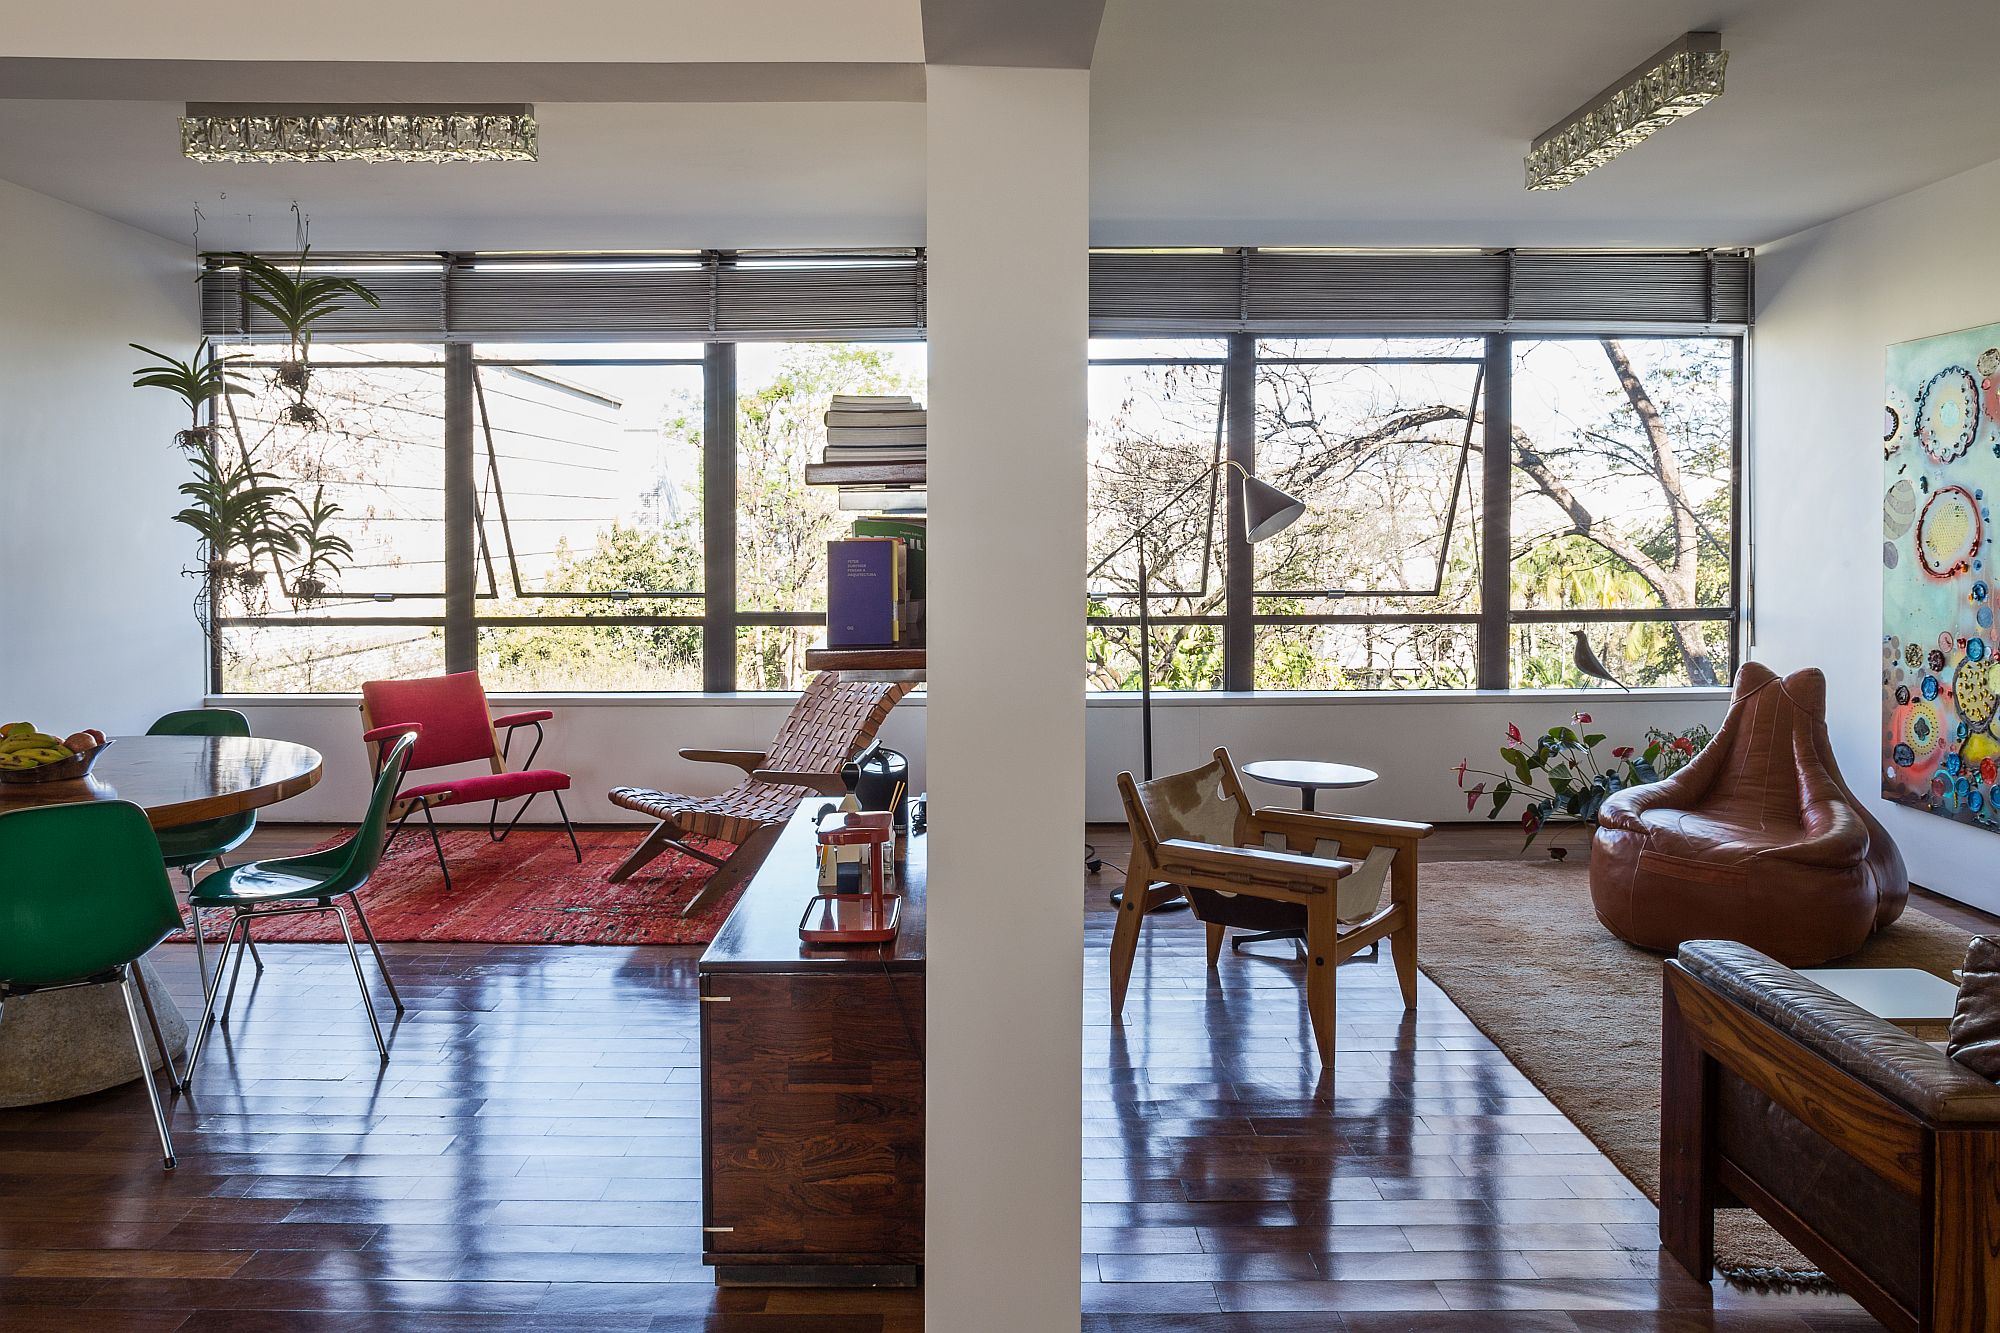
(1587, 662)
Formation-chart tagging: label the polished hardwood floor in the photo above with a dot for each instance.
(529, 1160)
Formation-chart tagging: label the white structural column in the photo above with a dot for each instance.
(1008, 241)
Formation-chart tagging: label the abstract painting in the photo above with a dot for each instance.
(1940, 676)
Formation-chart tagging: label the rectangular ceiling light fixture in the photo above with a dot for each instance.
(234, 132)
(1683, 78)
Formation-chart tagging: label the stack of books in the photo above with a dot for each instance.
(875, 592)
(874, 428)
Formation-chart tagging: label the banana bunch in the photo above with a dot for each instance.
(23, 746)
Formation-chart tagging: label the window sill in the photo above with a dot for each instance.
(1105, 699)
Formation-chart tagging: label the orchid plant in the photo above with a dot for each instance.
(1561, 777)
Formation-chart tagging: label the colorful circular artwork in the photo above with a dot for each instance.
(1913, 656)
(1920, 729)
(1947, 416)
(1973, 688)
(1899, 509)
(1949, 532)
(1895, 422)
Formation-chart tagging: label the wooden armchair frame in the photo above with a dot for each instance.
(1293, 875)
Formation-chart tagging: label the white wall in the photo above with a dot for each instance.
(1829, 301)
(95, 625)
(1413, 740)
(601, 742)
(1007, 230)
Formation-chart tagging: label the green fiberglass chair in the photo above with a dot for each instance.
(192, 846)
(314, 882)
(83, 896)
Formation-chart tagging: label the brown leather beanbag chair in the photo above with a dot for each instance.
(1758, 839)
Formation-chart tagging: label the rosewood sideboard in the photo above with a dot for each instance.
(812, 1073)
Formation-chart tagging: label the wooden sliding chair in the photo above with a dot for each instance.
(1268, 870)
(833, 721)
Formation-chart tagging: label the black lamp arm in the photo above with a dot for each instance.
(1161, 512)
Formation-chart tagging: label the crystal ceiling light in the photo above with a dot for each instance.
(231, 132)
(1680, 80)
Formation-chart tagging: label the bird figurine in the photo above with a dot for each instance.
(1587, 662)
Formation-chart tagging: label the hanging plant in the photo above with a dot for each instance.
(238, 514)
(199, 382)
(297, 302)
(321, 551)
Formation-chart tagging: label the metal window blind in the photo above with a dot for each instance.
(1279, 291)
(748, 296)
(711, 297)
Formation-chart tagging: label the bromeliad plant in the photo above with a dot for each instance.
(201, 382)
(1561, 776)
(238, 512)
(321, 551)
(297, 302)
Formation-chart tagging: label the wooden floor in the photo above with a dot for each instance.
(529, 1160)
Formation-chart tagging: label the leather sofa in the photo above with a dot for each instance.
(1758, 839)
(1872, 1152)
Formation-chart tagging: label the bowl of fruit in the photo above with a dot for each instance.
(31, 755)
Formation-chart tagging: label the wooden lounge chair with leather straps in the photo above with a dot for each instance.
(834, 720)
(1266, 870)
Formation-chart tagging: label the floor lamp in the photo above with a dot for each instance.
(1267, 511)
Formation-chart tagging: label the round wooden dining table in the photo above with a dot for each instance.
(180, 780)
(65, 1043)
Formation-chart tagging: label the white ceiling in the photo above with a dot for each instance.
(611, 176)
(1270, 122)
(1329, 122)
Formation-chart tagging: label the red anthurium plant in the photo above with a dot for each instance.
(1561, 776)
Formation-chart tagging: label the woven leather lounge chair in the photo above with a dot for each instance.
(834, 720)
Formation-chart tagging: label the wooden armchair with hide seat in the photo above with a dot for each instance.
(834, 720)
(1266, 870)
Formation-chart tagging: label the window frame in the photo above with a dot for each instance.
(1497, 616)
(720, 617)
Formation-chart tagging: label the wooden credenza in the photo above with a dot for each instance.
(812, 1068)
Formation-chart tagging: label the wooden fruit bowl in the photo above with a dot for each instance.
(64, 770)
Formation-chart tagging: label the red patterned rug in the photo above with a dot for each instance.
(526, 890)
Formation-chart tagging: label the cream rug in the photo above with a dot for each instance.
(1516, 945)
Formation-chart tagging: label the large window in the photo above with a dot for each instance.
(377, 451)
(591, 513)
(588, 472)
(1618, 457)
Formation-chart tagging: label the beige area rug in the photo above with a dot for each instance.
(1518, 948)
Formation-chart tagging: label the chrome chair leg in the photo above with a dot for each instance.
(153, 1021)
(208, 1009)
(230, 1000)
(380, 961)
(200, 948)
(146, 1068)
(367, 1003)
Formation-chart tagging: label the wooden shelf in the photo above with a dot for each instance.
(865, 474)
(869, 663)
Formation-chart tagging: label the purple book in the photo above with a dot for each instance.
(864, 592)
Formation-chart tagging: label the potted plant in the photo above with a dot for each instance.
(1561, 776)
(296, 302)
(199, 382)
(320, 550)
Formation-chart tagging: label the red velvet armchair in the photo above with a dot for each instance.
(454, 726)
